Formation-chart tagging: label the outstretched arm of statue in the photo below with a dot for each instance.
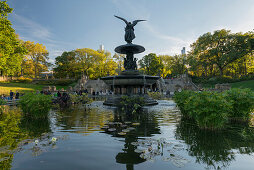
(126, 22)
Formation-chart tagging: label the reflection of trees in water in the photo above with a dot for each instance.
(215, 149)
(148, 126)
(84, 121)
(10, 136)
(35, 128)
(14, 130)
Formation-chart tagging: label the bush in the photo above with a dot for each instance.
(63, 82)
(23, 80)
(131, 104)
(243, 103)
(2, 102)
(209, 109)
(155, 95)
(180, 98)
(36, 106)
(75, 99)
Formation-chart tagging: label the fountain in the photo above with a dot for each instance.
(130, 82)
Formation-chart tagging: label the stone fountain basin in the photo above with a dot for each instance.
(129, 48)
(130, 80)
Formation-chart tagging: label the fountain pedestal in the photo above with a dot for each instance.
(130, 82)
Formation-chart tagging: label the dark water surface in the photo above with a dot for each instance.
(156, 139)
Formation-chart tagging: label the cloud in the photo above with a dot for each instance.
(167, 44)
(31, 29)
(55, 53)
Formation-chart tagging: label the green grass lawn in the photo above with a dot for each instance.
(243, 84)
(22, 87)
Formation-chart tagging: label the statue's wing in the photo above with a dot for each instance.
(126, 22)
(136, 21)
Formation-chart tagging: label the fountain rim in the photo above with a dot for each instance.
(130, 77)
(129, 48)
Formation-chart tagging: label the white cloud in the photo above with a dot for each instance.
(167, 44)
(31, 29)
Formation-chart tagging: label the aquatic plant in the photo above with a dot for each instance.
(168, 151)
(35, 106)
(75, 99)
(155, 95)
(243, 103)
(131, 104)
(209, 109)
(180, 98)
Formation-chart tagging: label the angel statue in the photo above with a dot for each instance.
(129, 29)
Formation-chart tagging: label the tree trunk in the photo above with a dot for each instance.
(221, 71)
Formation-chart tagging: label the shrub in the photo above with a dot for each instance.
(23, 80)
(35, 106)
(131, 104)
(209, 109)
(155, 95)
(63, 82)
(75, 99)
(86, 99)
(2, 102)
(180, 98)
(243, 103)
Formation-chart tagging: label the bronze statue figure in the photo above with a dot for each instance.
(129, 29)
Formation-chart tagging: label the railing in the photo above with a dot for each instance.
(12, 102)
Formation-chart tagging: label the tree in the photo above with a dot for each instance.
(219, 50)
(38, 54)
(89, 62)
(11, 48)
(151, 64)
(120, 62)
(66, 65)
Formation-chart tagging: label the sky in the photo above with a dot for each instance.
(65, 25)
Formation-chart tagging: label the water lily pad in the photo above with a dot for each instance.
(134, 143)
(178, 161)
(110, 123)
(121, 133)
(112, 129)
(127, 122)
(139, 151)
(123, 126)
(126, 130)
(143, 156)
(131, 128)
(135, 124)
(178, 145)
(166, 159)
(105, 127)
(118, 123)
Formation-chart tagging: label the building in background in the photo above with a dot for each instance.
(183, 51)
(101, 48)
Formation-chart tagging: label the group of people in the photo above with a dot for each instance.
(12, 96)
(63, 95)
